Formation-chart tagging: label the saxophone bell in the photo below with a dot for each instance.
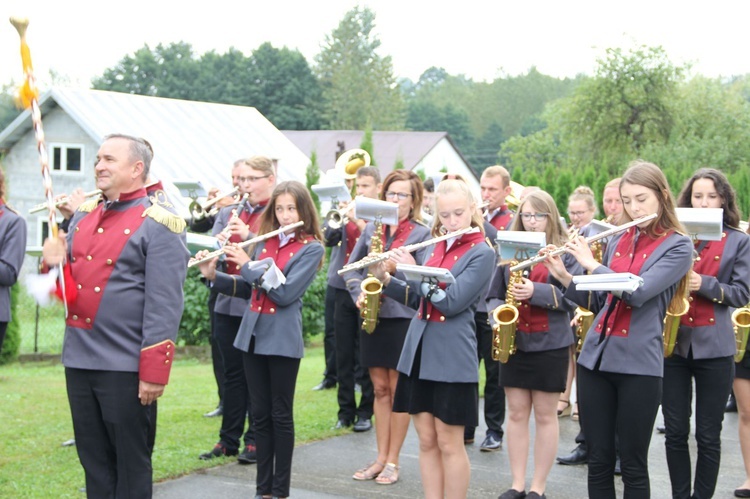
(741, 322)
(506, 320)
(672, 324)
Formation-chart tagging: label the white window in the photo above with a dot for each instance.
(66, 158)
(42, 230)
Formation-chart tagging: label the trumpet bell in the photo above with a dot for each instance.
(351, 161)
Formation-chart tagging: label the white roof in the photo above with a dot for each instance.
(191, 140)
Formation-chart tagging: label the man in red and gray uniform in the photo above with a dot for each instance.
(125, 264)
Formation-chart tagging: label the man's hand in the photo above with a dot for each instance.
(54, 250)
(149, 392)
(75, 199)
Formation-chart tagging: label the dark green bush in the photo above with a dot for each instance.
(12, 343)
(313, 305)
(195, 327)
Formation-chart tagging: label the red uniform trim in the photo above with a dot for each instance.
(156, 362)
(400, 236)
(533, 319)
(252, 220)
(502, 219)
(260, 301)
(352, 236)
(701, 312)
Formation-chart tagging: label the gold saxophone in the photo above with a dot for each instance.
(583, 319)
(678, 307)
(372, 287)
(741, 322)
(506, 319)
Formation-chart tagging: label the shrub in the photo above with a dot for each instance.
(12, 343)
(195, 326)
(313, 305)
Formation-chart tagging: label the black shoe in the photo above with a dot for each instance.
(341, 424)
(219, 411)
(362, 424)
(218, 451)
(661, 429)
(469, 437)
(491, 442)
(325, 385)
(741, 492)
(618, 467)
(248, 456)
(578, 456)
(732, 407)
(512, 494)
(535, 495)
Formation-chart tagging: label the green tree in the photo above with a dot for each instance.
(8, 109)
(358, 84)
(312, 177)
(367, 145)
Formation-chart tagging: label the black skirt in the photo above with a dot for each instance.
(742, 369)
(546, 371)
(452, 403)
(383, 347)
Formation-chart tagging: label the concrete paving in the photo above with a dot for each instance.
(323, 470)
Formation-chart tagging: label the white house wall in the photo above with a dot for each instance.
(445, 157)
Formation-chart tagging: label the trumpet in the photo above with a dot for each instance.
(337, 218)
(62, 201)
(201, 211)
(559, 251)
(193, 261)
(372, 260)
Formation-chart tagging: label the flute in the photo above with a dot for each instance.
(62, 201)
(589, 240)
(243, 244)
(380, 257)
(235, 215)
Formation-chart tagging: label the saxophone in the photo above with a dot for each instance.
(583, 319)
(506, 319)
(678, 307)
(372, 287)
(741, 322)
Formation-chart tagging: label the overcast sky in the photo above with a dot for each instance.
(481, 39)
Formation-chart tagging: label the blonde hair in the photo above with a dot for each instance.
(495, 171)
(261, 163)
(542, 202)
(455, 186)
(586, 194)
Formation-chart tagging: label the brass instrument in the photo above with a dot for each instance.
(506, 320)
(62, 201)
(513, 200)
(589, 240)
(350, 162)
(244, 244)
(409, 248)
(337, 218)
(741, 322)
(372, 287)
(200, 211)
(672, 323)
(583, 319)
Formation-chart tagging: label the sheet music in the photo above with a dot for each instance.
(624, 281)
(420, 272)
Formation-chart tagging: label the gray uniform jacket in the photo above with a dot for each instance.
(336, 239)
(730, 288)
(547, 295)
(449, 348)
(491, 234)
(280, 332)
(129, 269)
(12, 250)
(641, 351)
(389, 308)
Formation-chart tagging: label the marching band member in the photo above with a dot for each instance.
(535, 375)
(741, 388)
(438, 380)
(621, 364)
(346, 320)
(379, 351)
(270, 335)
(12, 250)
(256, 179)
(611, 201)
(495, 188)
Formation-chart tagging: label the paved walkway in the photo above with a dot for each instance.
(323, 470)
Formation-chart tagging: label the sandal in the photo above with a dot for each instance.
(566, 410)
(389, 475)
(365, 472)
(574, 415)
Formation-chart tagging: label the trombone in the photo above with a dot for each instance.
(337, 218)
(62, 201)
(201, 211)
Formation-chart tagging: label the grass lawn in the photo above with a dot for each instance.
(35, 420)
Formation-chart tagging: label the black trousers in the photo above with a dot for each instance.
(329, 338)
(713, 383)
(272, 380)
(347, 324)
(624, 405)
(114, 433)
(237, 405)
(494, 395)
(216, 361)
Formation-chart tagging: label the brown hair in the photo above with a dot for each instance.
(369, 171)
(262, 164)
(452, 186)
(416, 190)
(723, 189)
(649, 175)
(305, 208)
(584, 193)
(542, 202)
(497, 170)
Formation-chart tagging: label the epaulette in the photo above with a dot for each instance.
(172, 221)
(88, 206)
(420, 222)
(10, 208)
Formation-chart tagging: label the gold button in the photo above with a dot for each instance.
(690, 319)
(609, 329)
(432, 254)
(260, 308)
(273, 310)
(169, 346)
(428, 316)
(75, 317)
(690, 298)
(88, 320)
(715, 300)
(455, 258)
(166, 361)
(627, 308)
(79, 286)
(624, 331)
(527, 324)
(97, 289)
(89, 258)
(264, 250)
(472, 245)
(645, 255)
(291, 254)
(167, 354)
(109, 261)
(617, 253)
(442, 318)
(717, 257)
(127, 231)
(77, 229)
(698, 259)
(238, 267)
(631, 255)
(73, 259)
(711, 320)
(100, 230)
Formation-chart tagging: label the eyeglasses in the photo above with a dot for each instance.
(251, 179)
(537, 216)
(577, 213)
(400, 195)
